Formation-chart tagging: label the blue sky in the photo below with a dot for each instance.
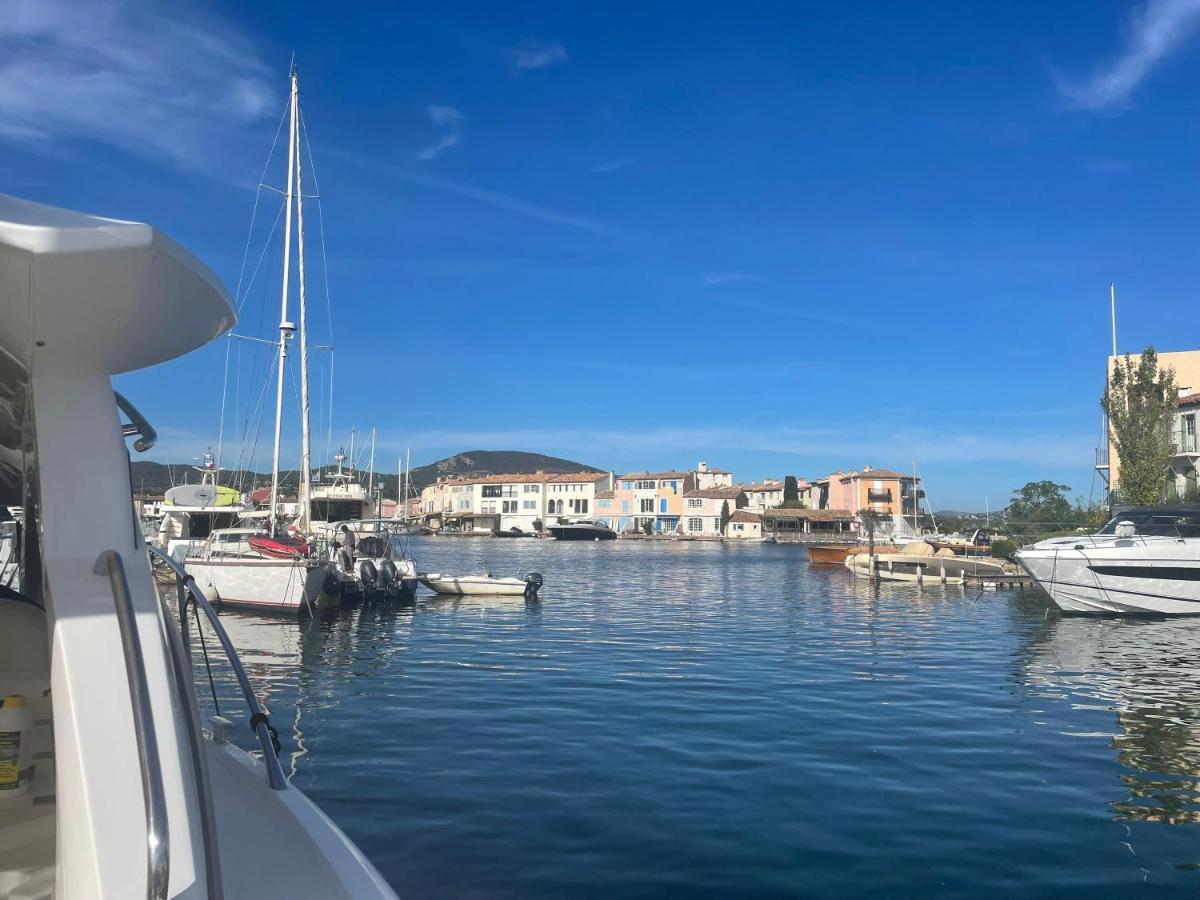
(777, 237)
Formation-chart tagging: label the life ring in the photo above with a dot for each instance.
(367, 573)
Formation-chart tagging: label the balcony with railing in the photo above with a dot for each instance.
(879, 496)
(1184, 442)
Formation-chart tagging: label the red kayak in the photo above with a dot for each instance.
(280, 548)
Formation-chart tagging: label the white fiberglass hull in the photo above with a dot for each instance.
(475, 585)
(1127, 576)
(270, 584)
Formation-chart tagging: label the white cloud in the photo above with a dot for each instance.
(450, 121)
(148, 77)
(532, 55)
(485, 196)
(1157, 29)
(731, 277)
(612, 165)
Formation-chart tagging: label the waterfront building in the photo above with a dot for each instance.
(522, 500)
(769, 494)
(702, 509)
(1182, 468)
(744, 525)
(803, 525)
(1185, 451)
(883, 491)
(647, 497)
(709, 477)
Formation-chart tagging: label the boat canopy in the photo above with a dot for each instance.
(89, 294)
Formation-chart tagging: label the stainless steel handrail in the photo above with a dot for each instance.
(147, 436)
(158, 849)
(204, 797)
(187, 587)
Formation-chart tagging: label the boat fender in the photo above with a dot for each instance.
(388, 573)
(367, 573)
(533, 583)
(345, 561)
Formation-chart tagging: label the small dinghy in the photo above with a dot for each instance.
(279, 548)
(458, 585)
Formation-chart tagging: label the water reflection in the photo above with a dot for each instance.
(1148, 674)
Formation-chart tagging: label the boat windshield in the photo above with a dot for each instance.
(1157, 524)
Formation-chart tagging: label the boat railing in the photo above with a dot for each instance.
(158, 849)
(190, 594)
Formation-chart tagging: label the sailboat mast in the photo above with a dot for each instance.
(305, 436)
(371, 473)
(407, 452)
(285, 327)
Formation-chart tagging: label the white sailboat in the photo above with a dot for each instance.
(127, 794)
(225, 565)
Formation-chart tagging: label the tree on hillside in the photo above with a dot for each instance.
(1041, 502)
(724, 515)
(1140, 402)
(791, 494)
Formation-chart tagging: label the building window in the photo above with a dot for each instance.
(491, 490)
(695, 524)
(529, 504)
(624, 506)
(695, 503)
(603, 504)
(510, 506)
(738, 526)
(532, 488)
(717, 524)
(648, 505)
(644, 485)
(627, 485)
(488, 507)
(662, 505)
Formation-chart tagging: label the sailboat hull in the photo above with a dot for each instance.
(268, 584)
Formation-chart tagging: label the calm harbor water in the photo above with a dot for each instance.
(704, 720)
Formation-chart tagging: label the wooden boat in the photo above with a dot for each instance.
(835, 554)
(486, 584)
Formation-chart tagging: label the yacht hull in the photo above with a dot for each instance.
(1160, 578)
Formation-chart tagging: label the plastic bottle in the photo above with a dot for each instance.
(16, 746)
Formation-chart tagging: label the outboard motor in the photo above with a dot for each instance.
(368, 574)
(388, 574)
(533, 584)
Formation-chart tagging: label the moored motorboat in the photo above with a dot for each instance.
(578, 529)
(513, 532)
(1143, 561)
(487, 584)
(835, 554)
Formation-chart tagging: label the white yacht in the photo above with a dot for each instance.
(1144, 560)
(191, 512)
(130, 794)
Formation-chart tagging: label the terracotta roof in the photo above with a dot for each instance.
(574, 477)
(813, 515)
(721, 493)
(763, 486)
(871, 475)
(656, 476)
(712, 471)
(743, 515)
(1190, 400)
